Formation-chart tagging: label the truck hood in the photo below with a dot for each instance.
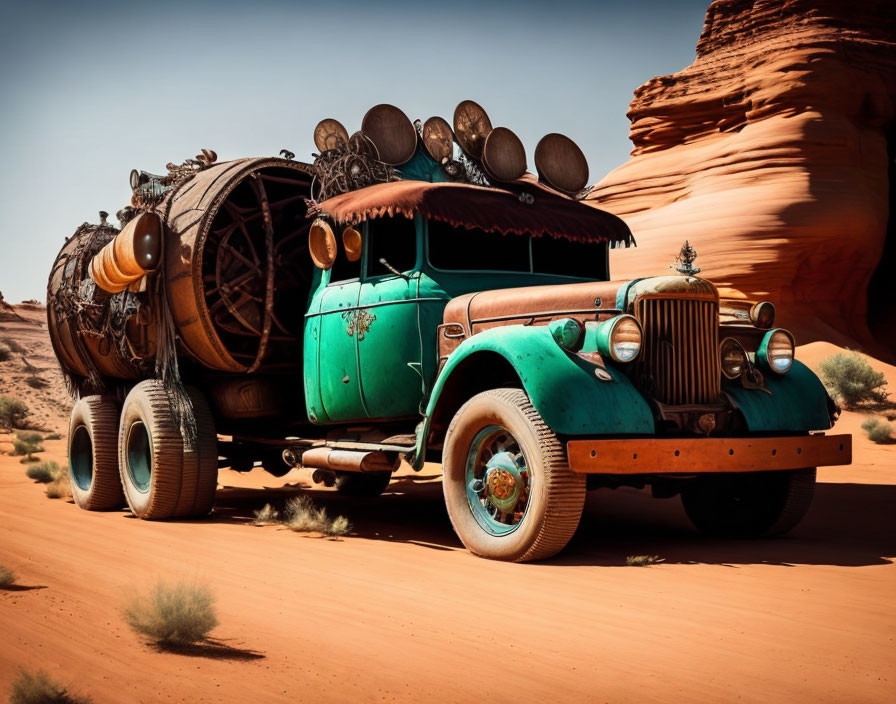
(533, 305)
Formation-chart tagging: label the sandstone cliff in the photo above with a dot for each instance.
(773, 154)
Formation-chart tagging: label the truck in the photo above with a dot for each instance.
(403, 301)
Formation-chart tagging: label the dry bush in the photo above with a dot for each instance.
(12, 412)
(53, 436)
(12, 344)
(7, 577)
(172, 614)
(37, 688)
(27, 443)
(302, 516)
(36, 382)
(878, 431)
(267, 516)
(5, 352)
(59, 488)
(44, 473)
(643, 560)
(852, 380)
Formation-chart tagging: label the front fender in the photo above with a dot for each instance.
(562, 387)
(798, 402)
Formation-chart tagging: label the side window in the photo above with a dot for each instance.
(392, 239)
(343, 269)
(460, 249)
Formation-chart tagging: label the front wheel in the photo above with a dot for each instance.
(754, 505)
(508, 488)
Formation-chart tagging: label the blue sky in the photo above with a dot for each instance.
(91, 90)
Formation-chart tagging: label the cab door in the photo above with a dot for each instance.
(330, 331)
(390, 346)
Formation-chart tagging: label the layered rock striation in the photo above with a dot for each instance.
(773, 154)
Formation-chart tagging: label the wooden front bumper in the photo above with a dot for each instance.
(702, 455)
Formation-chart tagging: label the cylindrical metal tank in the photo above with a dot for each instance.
(133, 252)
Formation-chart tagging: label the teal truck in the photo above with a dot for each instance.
(421, 319)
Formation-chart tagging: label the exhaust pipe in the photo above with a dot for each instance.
(350, 460)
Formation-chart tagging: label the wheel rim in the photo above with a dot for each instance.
(81, 458)
(139, 453)
(497, 481)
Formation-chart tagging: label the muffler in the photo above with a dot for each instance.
(350, 460)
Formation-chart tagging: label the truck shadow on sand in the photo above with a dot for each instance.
(848, 525)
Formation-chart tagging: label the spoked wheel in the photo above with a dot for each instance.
(508, 488)
(93, 454)
(754, 505)
(254, 251)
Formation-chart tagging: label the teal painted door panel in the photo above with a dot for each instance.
(390, 349)
(338, 378)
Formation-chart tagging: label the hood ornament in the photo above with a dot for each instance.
(684, 265)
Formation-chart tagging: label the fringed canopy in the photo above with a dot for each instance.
(526, 209)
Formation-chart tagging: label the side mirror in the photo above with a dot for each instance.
(322, 244)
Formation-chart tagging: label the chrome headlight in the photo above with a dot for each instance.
(762, 315)
(776, 351)
(734, 358)
(619, 338)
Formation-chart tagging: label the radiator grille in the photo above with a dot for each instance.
(680, 355)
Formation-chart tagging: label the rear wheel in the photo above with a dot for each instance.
(755, 505)
(161, 478)
(508, 488)
(362, 483)
(93, 454)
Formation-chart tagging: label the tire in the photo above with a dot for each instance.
(161, 479)
(755, 505)
(370, 484)
(93, 454)
(550, 495)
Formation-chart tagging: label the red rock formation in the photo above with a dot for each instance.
(770, 154)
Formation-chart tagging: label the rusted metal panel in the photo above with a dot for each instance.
(707, 455)
(200, 289)
(519, 208)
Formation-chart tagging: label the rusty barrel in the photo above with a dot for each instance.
(77, 312)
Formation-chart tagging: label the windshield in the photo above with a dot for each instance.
(460, 249)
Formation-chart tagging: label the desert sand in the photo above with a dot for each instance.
(399, 611)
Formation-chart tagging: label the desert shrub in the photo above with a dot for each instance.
(5, 352)
(44, 473)
(27, 442)
(267, 516)
(877, 430)
(36, 382)
(7, 577)
(12, 412)
(11, 343)
(37, 688)
(59, 488)
(302, 516)
(172, 614)
(643, 560)
(851, 379)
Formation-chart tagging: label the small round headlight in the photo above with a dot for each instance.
(776, 351)
(734, 358)
(567, 332)
(619, 338)
(762, 315)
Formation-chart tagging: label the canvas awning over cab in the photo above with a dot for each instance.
(523, 208)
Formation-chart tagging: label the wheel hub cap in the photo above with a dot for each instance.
(503, 481)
